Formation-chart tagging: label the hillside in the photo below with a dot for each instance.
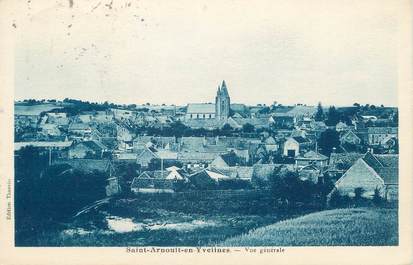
(339, 227)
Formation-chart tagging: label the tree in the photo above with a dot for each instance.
(319, 116)
(248, 128)
(333, 116)
(377, 198)
(46, 196)
(226, 129)
(328, 140)
(358, 194)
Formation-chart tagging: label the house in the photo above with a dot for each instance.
(283, 121)
(176, 173)
(196, 160)
(82, 129)
(207, 179)
(60, 145)
(311, 158)
(270, 144)
(376, 135)
(145, 156)
(311, 173)
(340, 163)
(87, 149)
(341, 126)
(293, 146)
(349, 137)
(370, 173)
(227, 160)
(236, 172)
(152, 182)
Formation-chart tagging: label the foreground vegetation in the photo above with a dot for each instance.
(339, 227)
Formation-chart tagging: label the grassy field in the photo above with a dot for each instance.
(339, 227)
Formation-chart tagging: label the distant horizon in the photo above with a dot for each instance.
(184, 105)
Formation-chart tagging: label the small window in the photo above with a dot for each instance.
(291, 153)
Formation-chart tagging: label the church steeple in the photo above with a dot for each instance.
(222, 102)
(224, 90)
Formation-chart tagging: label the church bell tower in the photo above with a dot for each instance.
(222, 102)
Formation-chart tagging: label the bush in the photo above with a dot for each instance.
(377, 199)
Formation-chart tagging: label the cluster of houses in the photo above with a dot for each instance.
(284, 136)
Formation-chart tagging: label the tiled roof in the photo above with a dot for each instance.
(94, 145)
(382, 130)
(302, 110)
(372, 161)
(231, 159)
(386, 166)
(300, 139)
(201, 108)
(388, 160)
(258, 122)
(201, 156)
(346, 158)
(166, 154)
(204, 123)
(312, 155)
(240, 172)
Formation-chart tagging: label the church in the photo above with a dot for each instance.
(218, 111)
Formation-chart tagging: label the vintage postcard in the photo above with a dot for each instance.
(206, 132)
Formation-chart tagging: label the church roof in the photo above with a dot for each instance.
(202, 108)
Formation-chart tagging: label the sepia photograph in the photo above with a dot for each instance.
(216, 125)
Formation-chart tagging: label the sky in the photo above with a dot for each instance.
(337, 52)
